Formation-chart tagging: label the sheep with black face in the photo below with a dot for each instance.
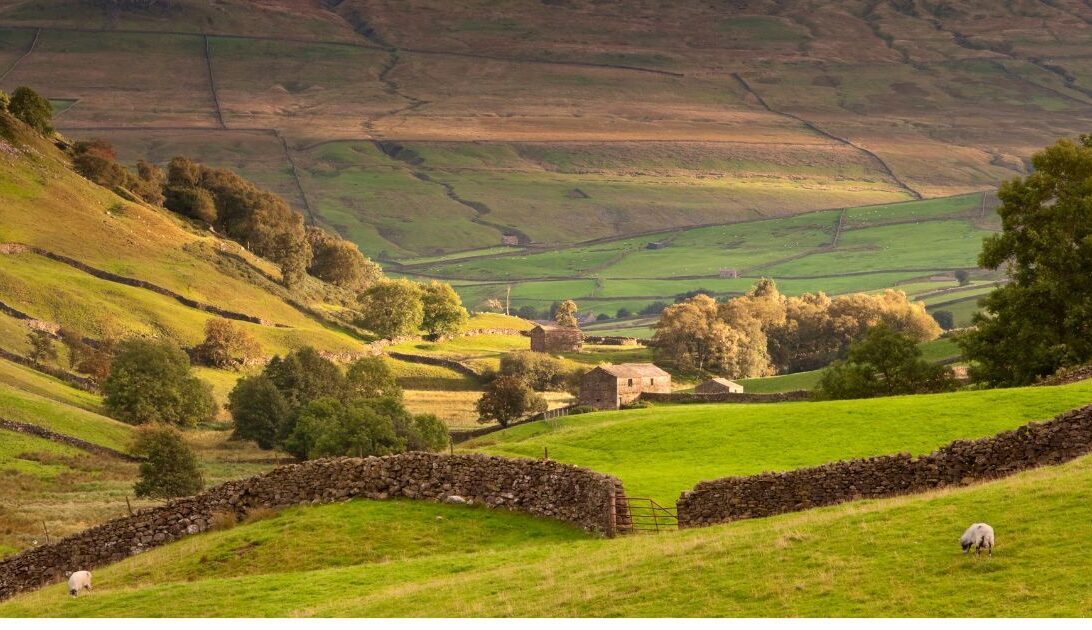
(78, 581)
(978, 535)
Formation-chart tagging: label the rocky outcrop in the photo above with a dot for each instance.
(1066, 437)
(539, 487)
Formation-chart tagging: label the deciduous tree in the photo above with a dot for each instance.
(33, 109)
(170, 468)
(227, 344)
(392, 308)
(151, 382)
(566, 314)
(883, 363)
(1042, 319)
(443, 310)
(506, 399)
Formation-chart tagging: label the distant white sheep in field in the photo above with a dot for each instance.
(978, 536)
(78, 581)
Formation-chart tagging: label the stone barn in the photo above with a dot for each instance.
(612, 386)
(552, 338)
(719, 386)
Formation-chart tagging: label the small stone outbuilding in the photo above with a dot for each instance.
(553, 338)
(613, 386)
(719, 386)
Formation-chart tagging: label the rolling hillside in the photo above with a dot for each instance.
(422, 128)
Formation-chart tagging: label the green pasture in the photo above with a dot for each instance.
(892, 557)
(663, 450)
(22, 406)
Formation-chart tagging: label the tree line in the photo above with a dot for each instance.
(763, 332)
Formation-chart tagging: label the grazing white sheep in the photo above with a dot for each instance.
(978, 536)
(456, 499)
(78, 581)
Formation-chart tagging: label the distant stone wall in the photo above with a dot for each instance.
(79, 382)
(133, 282)
(611, 340)
(726, 397)
(539, 487)
(1066, 437)
(450, 364)
(53, 436)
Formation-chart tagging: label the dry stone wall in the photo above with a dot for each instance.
(53, 436)
(725, 397)
(539, 487)
(1066, 437)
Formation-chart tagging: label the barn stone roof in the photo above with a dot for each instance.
(723, 381)
(632, 370)
(552, 327)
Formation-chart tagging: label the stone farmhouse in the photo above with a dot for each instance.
(719, 386)
(612, 386)
(553, 338)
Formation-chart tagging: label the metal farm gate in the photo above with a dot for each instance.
(644, 515)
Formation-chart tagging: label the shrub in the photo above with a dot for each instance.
(41, 346)
(222, 521)
(581, 409)
(195, 203)
(327, 428)
(506, 399)
(152, 382)
(884, 363)
(944, 319)
(227, 344)
(170, 468)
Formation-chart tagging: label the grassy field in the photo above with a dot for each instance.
(894, 557)
(663, 450)
(876, 247)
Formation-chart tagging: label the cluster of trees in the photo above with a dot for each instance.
(30, 107)
(883, 363)
(258, 219)
(1041, 320)
(513, 392)
(764, 332)
(266, 225)
(305, 405)
(394, 308)
(541, 371)
(97, 161)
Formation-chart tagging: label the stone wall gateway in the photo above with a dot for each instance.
(1066, 437)
(539, 487)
